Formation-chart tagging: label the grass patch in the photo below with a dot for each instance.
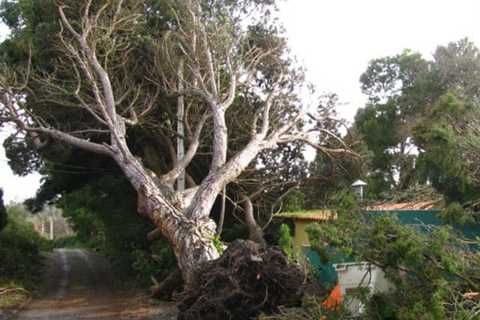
(13, 296)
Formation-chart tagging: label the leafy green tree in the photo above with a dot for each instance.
(413, 121)
(446, 133)
(443, 162)
(398, 89)
(3, 212)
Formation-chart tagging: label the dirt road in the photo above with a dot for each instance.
(79, 285)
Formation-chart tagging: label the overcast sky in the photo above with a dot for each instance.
(335, 39)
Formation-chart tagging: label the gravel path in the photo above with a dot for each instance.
(79, 285)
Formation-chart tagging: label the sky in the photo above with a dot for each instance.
(335, 40)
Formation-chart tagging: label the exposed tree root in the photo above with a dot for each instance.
(246, 280)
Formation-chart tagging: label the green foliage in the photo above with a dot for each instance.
(396, 90)
(295, 201)
(285, 241)
(158, 261)
(425, 105)
(454, 213)
(20, 250)
(22, 156)
(329, 174)
(103, 215)
(218, 244)
(429, 268)
(338, 234)
(66, 242)
(3, 212)
(443, 163)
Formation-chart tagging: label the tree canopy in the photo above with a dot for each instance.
(416, 120)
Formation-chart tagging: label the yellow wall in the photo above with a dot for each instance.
(300, 238)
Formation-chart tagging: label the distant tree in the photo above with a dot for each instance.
(447, 133)
(415, 119)
(395, 100)
(3, 212)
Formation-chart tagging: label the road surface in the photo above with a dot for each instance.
(79, 285)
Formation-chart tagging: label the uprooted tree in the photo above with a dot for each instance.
(205, 61)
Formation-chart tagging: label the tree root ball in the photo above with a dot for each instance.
(246, 280)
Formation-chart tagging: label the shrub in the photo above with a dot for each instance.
(286, 241)
(20, 249)
(3, 212)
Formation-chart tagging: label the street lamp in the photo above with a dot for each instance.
(358, 187)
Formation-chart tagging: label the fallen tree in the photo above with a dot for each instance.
(205, 59)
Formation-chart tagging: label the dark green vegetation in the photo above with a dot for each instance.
(431, 269)
(102, 215)
(421, 122)
(3, 212)
(21, 262)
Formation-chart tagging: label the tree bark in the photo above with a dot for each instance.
(255, 232)
(191, 239)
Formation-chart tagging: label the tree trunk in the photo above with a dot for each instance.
(254, 230)
(191, 239)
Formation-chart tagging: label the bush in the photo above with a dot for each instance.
(3, 212)
(20, 249)
(158, 261)
(106, 221)
(431, 272)
(285, 241)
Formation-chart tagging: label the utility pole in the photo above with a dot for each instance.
(50, 219)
